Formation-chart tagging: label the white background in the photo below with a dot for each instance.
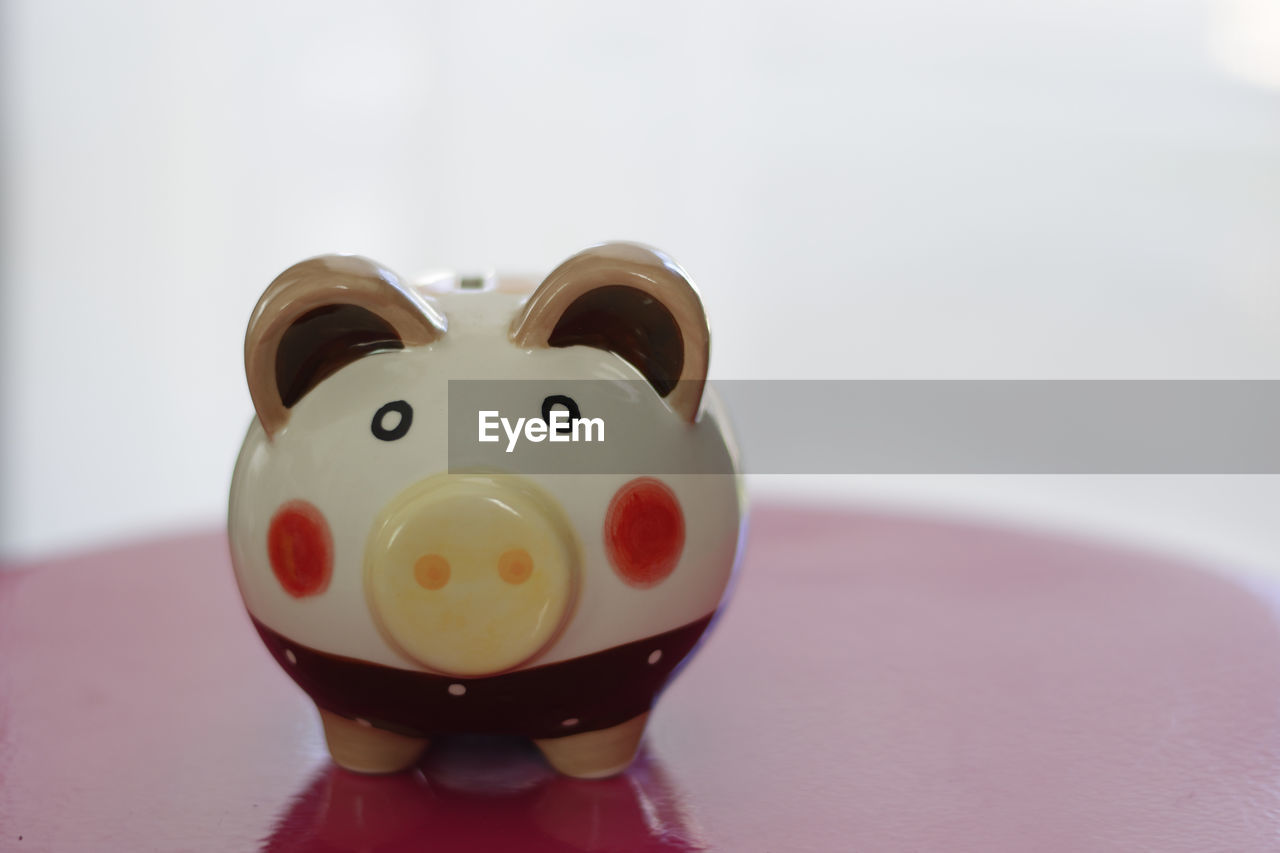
(994, 189)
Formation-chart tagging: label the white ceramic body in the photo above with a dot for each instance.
(325, 455)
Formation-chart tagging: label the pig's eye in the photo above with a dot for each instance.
(560, 401)
(392, 421)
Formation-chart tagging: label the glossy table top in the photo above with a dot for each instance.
(878, 683)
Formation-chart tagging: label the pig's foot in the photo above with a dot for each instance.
(595, 755)
(360, 747)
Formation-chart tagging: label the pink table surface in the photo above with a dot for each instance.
(879, 683)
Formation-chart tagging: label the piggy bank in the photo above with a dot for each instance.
(411, 596)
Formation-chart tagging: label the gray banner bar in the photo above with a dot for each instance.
(905, 427)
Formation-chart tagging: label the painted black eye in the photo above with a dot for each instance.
(563, 402)
(392, 421)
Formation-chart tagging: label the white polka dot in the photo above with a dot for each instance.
(290, 656)
(361, 721)
(572, 721)
(457, 689)
(655, 656)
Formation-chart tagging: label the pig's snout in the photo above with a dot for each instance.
(471, 574)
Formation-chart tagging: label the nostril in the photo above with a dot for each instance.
(431, 571)
(515, 566)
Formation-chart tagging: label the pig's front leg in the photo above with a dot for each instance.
(595, 755)
(356, 745)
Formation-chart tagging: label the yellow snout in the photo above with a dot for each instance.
(471, 574)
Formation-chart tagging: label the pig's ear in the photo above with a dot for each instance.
(319, 316)
(630, 300)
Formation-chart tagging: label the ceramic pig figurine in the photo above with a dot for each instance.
(409, 599)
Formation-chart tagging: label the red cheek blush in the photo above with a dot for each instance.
(644, 532)
(300, 548)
